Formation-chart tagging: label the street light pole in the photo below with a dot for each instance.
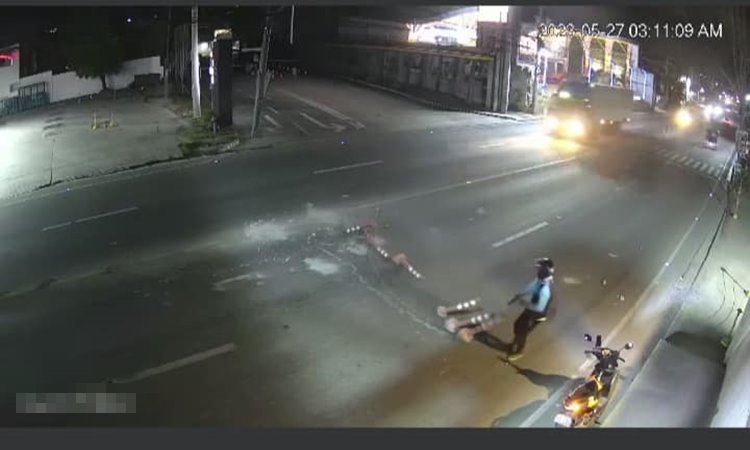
(196, 65)
(291, 28)
(260, 81)
(166, 54)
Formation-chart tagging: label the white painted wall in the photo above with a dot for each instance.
(9, 76)
(68, 85)
(733, 409)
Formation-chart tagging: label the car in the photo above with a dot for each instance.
(729, 123)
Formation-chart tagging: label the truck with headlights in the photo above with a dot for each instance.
(578, 109)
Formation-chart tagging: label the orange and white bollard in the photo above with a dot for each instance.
(459, 308)
(453, 324)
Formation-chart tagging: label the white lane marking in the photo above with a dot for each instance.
(451, 187)
(219, 286)
(272, 121)
(703, 167)
(513, 140)
(59, 225)
(620, 325)
(520, 234)
(314, 120)
(90, 218)
(673, 156)
(662, 151)
(272, 109)
(107, 214)
(182, 362)
(682, 159)
(327, 109)
(716, 171)
(350, 166)
(301, 129)
(695, 164)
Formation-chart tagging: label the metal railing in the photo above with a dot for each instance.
(29, 97)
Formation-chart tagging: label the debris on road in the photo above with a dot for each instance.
(261, 232)
(322, 266)
(377, 242)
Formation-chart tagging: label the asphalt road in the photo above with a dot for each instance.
(224, 291)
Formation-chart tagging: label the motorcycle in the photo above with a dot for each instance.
(712, 138)
(584, 404)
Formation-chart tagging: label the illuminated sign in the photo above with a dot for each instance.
(457, 30)
(6, 60)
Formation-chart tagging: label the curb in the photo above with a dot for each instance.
(441, 106)
(226, 149)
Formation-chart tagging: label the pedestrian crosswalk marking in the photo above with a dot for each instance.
(673, 158)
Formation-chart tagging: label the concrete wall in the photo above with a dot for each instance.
(9, 75)
(461, 77)
(68, 85)
(733, 408)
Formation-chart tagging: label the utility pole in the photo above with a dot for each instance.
(291, 28)
(667, 82)
(260, 81)
(166, 54)
(534, 74)
(506, 51)
(196, 65)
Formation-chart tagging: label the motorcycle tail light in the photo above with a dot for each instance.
(573, 407)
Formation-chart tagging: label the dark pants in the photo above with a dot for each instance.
(526, 322)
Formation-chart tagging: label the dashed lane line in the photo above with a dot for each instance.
(520, 234)
(179, 363)
(90, 218)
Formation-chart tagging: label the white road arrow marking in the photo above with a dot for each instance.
(272, 121)
(327, 109)
(334, 126)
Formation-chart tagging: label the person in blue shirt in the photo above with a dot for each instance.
(536, 297)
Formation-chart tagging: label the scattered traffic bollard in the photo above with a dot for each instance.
(453, 324)
(464, 307)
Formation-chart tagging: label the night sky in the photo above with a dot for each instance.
(19, 24)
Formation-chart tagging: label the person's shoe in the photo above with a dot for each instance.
(515, 356)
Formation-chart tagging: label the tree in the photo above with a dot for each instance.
(92, 47)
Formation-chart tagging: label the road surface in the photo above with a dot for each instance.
(224, 291)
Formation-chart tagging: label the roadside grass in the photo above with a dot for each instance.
(198, 138)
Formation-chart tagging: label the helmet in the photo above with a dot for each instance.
(546, 268)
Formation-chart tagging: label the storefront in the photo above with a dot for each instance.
(596, 59)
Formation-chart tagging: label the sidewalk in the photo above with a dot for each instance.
(59, 142)
(680, 382)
